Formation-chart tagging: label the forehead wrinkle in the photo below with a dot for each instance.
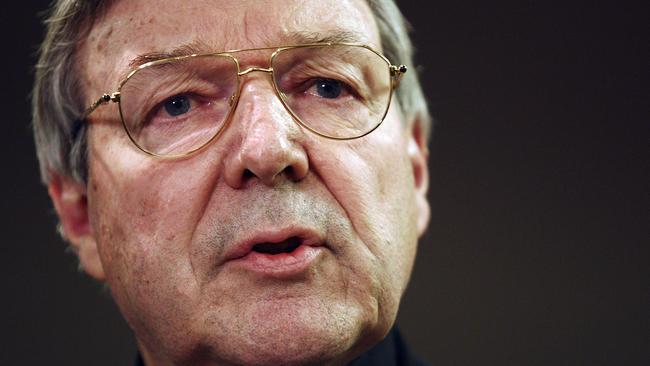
(248, 33)
(200, 46)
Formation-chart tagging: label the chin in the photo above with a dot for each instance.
(293, 333)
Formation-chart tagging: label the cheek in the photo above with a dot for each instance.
(372, 180)
(144, 213)
(154, 200)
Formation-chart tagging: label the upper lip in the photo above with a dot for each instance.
(244, 245)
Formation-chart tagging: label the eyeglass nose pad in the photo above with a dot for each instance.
(233, 97)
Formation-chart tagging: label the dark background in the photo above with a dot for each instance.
(537, 252)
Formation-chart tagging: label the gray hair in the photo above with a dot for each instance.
(56, 98)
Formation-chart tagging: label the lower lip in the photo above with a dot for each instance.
(280, 265)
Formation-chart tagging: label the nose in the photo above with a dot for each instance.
(266, 142)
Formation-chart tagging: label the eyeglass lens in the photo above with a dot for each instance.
(176, 106)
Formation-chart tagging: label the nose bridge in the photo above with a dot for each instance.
(253, 64)
(259, 108)
(259, 102)
(257, 92)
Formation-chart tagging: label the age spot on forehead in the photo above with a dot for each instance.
(101, 45)
(146, 22)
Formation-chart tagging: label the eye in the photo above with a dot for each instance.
(328, 88)
(177, 105)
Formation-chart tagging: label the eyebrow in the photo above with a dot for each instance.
(199, 46)
(336, 36)
(191, 48)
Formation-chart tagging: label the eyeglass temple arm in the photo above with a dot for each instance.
(397, 72)
(113, 97)
(79, 122)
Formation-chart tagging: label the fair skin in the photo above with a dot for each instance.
(161, 232)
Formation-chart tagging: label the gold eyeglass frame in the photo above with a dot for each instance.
(395, 74)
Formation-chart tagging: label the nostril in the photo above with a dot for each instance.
(248, 174)
(290, 171)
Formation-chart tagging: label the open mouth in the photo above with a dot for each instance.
(285, 246)
(278, 254)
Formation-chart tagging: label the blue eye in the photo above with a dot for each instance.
(328, 88)
(177, 105)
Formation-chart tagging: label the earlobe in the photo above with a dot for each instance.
(419, 157)
(71, 204)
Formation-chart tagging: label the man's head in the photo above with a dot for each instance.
(183, 243)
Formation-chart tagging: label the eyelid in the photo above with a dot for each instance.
(154, 112)
(353, 85)
(164, 91)
(194, 90)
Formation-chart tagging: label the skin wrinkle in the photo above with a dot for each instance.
(219, 167)
(358, 195)
(204, 207)
(247, 23)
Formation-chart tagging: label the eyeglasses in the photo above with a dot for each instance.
(175, 106)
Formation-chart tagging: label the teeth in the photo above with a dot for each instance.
(286, 246)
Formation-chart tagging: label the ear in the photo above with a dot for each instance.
(419, 157)
(71, 204)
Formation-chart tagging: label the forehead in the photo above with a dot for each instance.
(135, 27)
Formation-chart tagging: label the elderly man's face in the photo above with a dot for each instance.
(170, 233)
